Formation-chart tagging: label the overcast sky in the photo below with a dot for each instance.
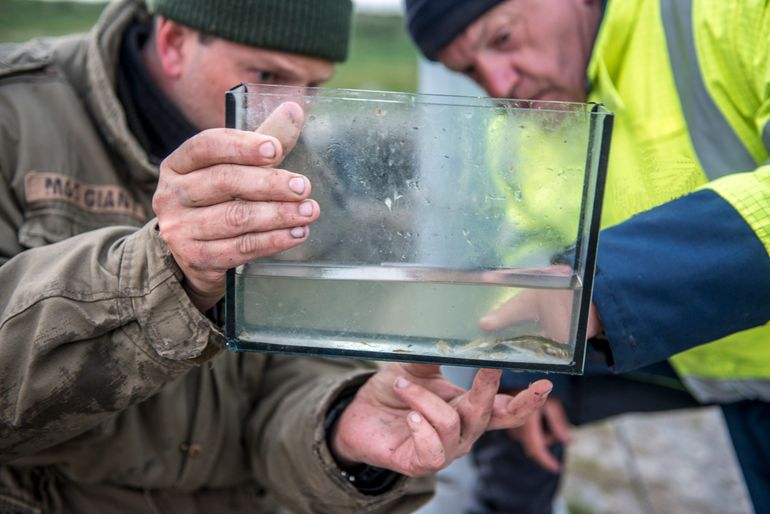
(379, 5)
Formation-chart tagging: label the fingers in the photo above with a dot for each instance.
(556, 420)
(224, 146)
(265, 147)
(285, 124)
(551, 309)
(517, 309)
(485, 386)
(422, 370)
(226, 182)
(475, 408)
(540, 431)
(512, 411)
(534, 441)
(232, 219)
(444, 419)
(220, 202)
(429, 450)
(223, 254)
(429, 375)
(459, 426)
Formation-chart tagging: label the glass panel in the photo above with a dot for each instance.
(435, 210)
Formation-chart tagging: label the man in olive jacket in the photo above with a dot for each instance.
(121, 206)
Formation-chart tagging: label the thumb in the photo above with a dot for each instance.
(285, 124)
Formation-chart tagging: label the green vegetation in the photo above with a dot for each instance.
(577, 508)
(381, 55)
(24, 19)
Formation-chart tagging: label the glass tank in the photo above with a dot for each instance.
(436, 212)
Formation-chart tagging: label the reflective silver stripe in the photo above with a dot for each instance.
(727, 390)
(719, 149)
(766, 136)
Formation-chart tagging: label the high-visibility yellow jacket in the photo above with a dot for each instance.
(685, 258)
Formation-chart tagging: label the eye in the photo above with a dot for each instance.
(264, 75)
(502, 40)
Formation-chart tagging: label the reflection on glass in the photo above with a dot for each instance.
(435, 211)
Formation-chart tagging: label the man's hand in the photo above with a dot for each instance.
(539, 432)
(221, 202)
(409, 419)
(552, 309)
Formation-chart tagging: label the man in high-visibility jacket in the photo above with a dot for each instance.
(683, 257)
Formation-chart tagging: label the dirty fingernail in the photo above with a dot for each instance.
(415, 417)
(306, 208)
(267, 149)
(298, 232)
(402, 383)
(297, 184)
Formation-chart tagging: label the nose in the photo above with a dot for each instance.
(496, 75)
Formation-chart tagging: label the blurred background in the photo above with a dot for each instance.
(381, 55)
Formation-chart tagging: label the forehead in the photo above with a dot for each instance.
(294, 65)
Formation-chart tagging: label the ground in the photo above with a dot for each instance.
(677, 462)
(668, 463)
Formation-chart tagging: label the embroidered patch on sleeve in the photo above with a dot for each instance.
(102, 199)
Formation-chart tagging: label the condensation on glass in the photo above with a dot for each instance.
(435, 212)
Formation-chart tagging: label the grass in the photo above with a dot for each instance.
(381, 55)
(24, 19)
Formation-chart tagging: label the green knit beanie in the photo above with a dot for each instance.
(317, 28)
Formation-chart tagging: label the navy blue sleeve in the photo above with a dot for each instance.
(686, 273)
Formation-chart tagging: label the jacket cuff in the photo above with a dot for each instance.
(695, 259)
(352, 497)
(172, 326)
(370, 480)
(299, 452)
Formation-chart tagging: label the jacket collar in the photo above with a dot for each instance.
(100, 90)
(153, 119)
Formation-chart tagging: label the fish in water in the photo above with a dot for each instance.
(537, 345)
(443, 347)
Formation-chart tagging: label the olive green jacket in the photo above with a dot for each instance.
(117, 394)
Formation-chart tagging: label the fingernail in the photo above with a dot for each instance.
(297, 184)
(298, 232)
(415, 417)
(306, 208)
(402, 383)
(267, 149)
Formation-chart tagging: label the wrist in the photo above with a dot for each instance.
(202, 300)
(369, 480)
(341, 455)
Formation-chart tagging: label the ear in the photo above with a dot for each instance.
(174, 44)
